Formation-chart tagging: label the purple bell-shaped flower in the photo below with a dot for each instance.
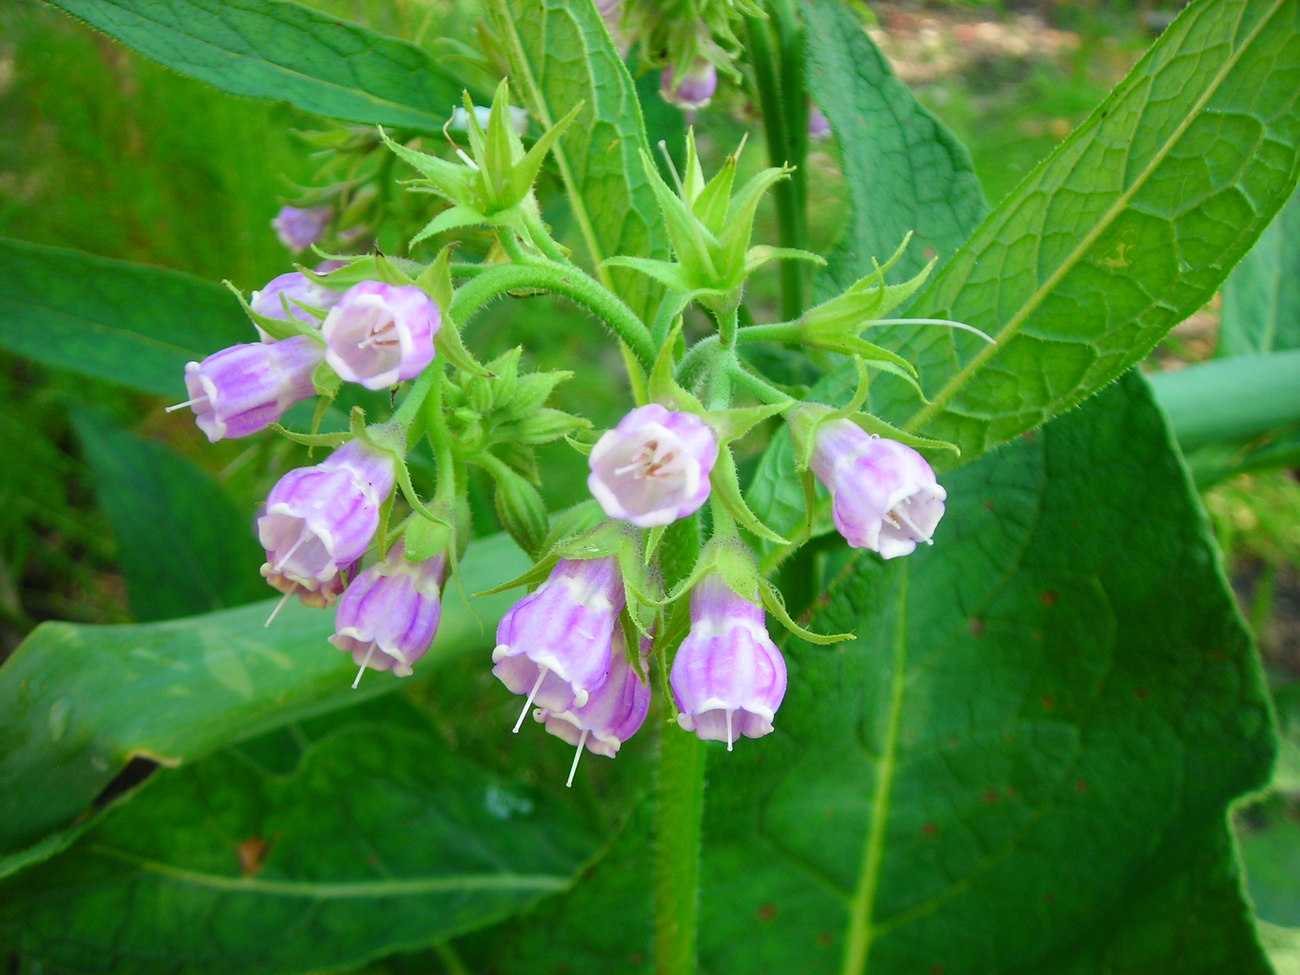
(320, 520)
(389, 615)
(554, 644)
(245, 388)
(728, 677)
(614, 712)
(299, 228)
(883, 494)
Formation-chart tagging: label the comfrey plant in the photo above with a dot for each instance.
(667, 465)
(908, 665)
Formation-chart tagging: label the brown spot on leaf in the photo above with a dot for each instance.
(1049, 702)
(930, 828)
(767, 912)
(1049, 597)
(252, 854)
(1141, 693)
(1081, 786)
(991, 796)
(976, 626)
(824, 939)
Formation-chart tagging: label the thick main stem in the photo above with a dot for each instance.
(679, 803)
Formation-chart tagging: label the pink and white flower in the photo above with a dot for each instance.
(381, 334)
(245, 388)
(653, 468)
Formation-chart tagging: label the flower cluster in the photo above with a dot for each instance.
(609, 605)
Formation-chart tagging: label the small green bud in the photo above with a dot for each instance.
(521, 509)
(546, 425)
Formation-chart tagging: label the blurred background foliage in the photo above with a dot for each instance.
(106, 152)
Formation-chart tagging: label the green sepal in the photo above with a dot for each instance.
(726, 489)
(710, 201)
(775, 604)
(574, 522)
(448, 343)
(452, 181)
(730, 558)
(536, 574)
(761, 254)
(733, 424)
(546, 425)
(525, 172)
(357, 269)
(653, 537)
(877, 426)
(580, 446)
(458, 215)
(388, 272)
(426, 538)
(661, 386)
(866, 299)
(435, 280)
(326, 381)
(330, 440)
(739, 222)
(279, 328)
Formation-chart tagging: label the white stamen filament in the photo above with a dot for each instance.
(466, 159)
(188, 402)
(573, 769)
(902, 521)
(730, 736)
(537, 685)
(380, 336)
(647, 463)
(280, 605)
(364, 664)
(279, 563)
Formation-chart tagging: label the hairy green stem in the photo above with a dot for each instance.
(679, 803)
(569, 281)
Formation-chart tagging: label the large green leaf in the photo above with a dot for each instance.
(561, 54)
(379, 840)
(184, 545)
(1261, 298)
(903, 170)
(1023, 761)
(1122, 232)
(284, 51)
(129, 323)
(77, 703)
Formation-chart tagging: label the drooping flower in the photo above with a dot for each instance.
(883, 494)
(322, 519)
(614, 712)
(388, 616)
(381, 334)
(299, 228)
(653, 468)
(245, 388)
(694, 90)
(819, 127)
(554, 644)
(728, 677)
(297, 287)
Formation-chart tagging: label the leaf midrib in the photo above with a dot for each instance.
(1031, 304)
(341, 890)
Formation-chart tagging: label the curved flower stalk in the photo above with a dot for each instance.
(320, 520)
(653, 468)
(381, 334)
(884, 495)
(388, 617)
(555, 644)
(728, 677)
(245, 388)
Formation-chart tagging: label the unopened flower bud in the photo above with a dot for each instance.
(613, 713)
(388, 617)
(381, 334)
(298, 229)
(728, 677)
(554, 644)
(883, 493)
(320, 519)
(245, 388)
(653, 468)
(694, 90)
(296, 287)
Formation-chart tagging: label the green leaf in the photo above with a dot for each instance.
(1261, 298)
(903, 170)
(286, 52)
(77, 703)
(561, 55)
(129, 323)
(1024, 761)
(380, 839)
(1127, 228)
(181, 539)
